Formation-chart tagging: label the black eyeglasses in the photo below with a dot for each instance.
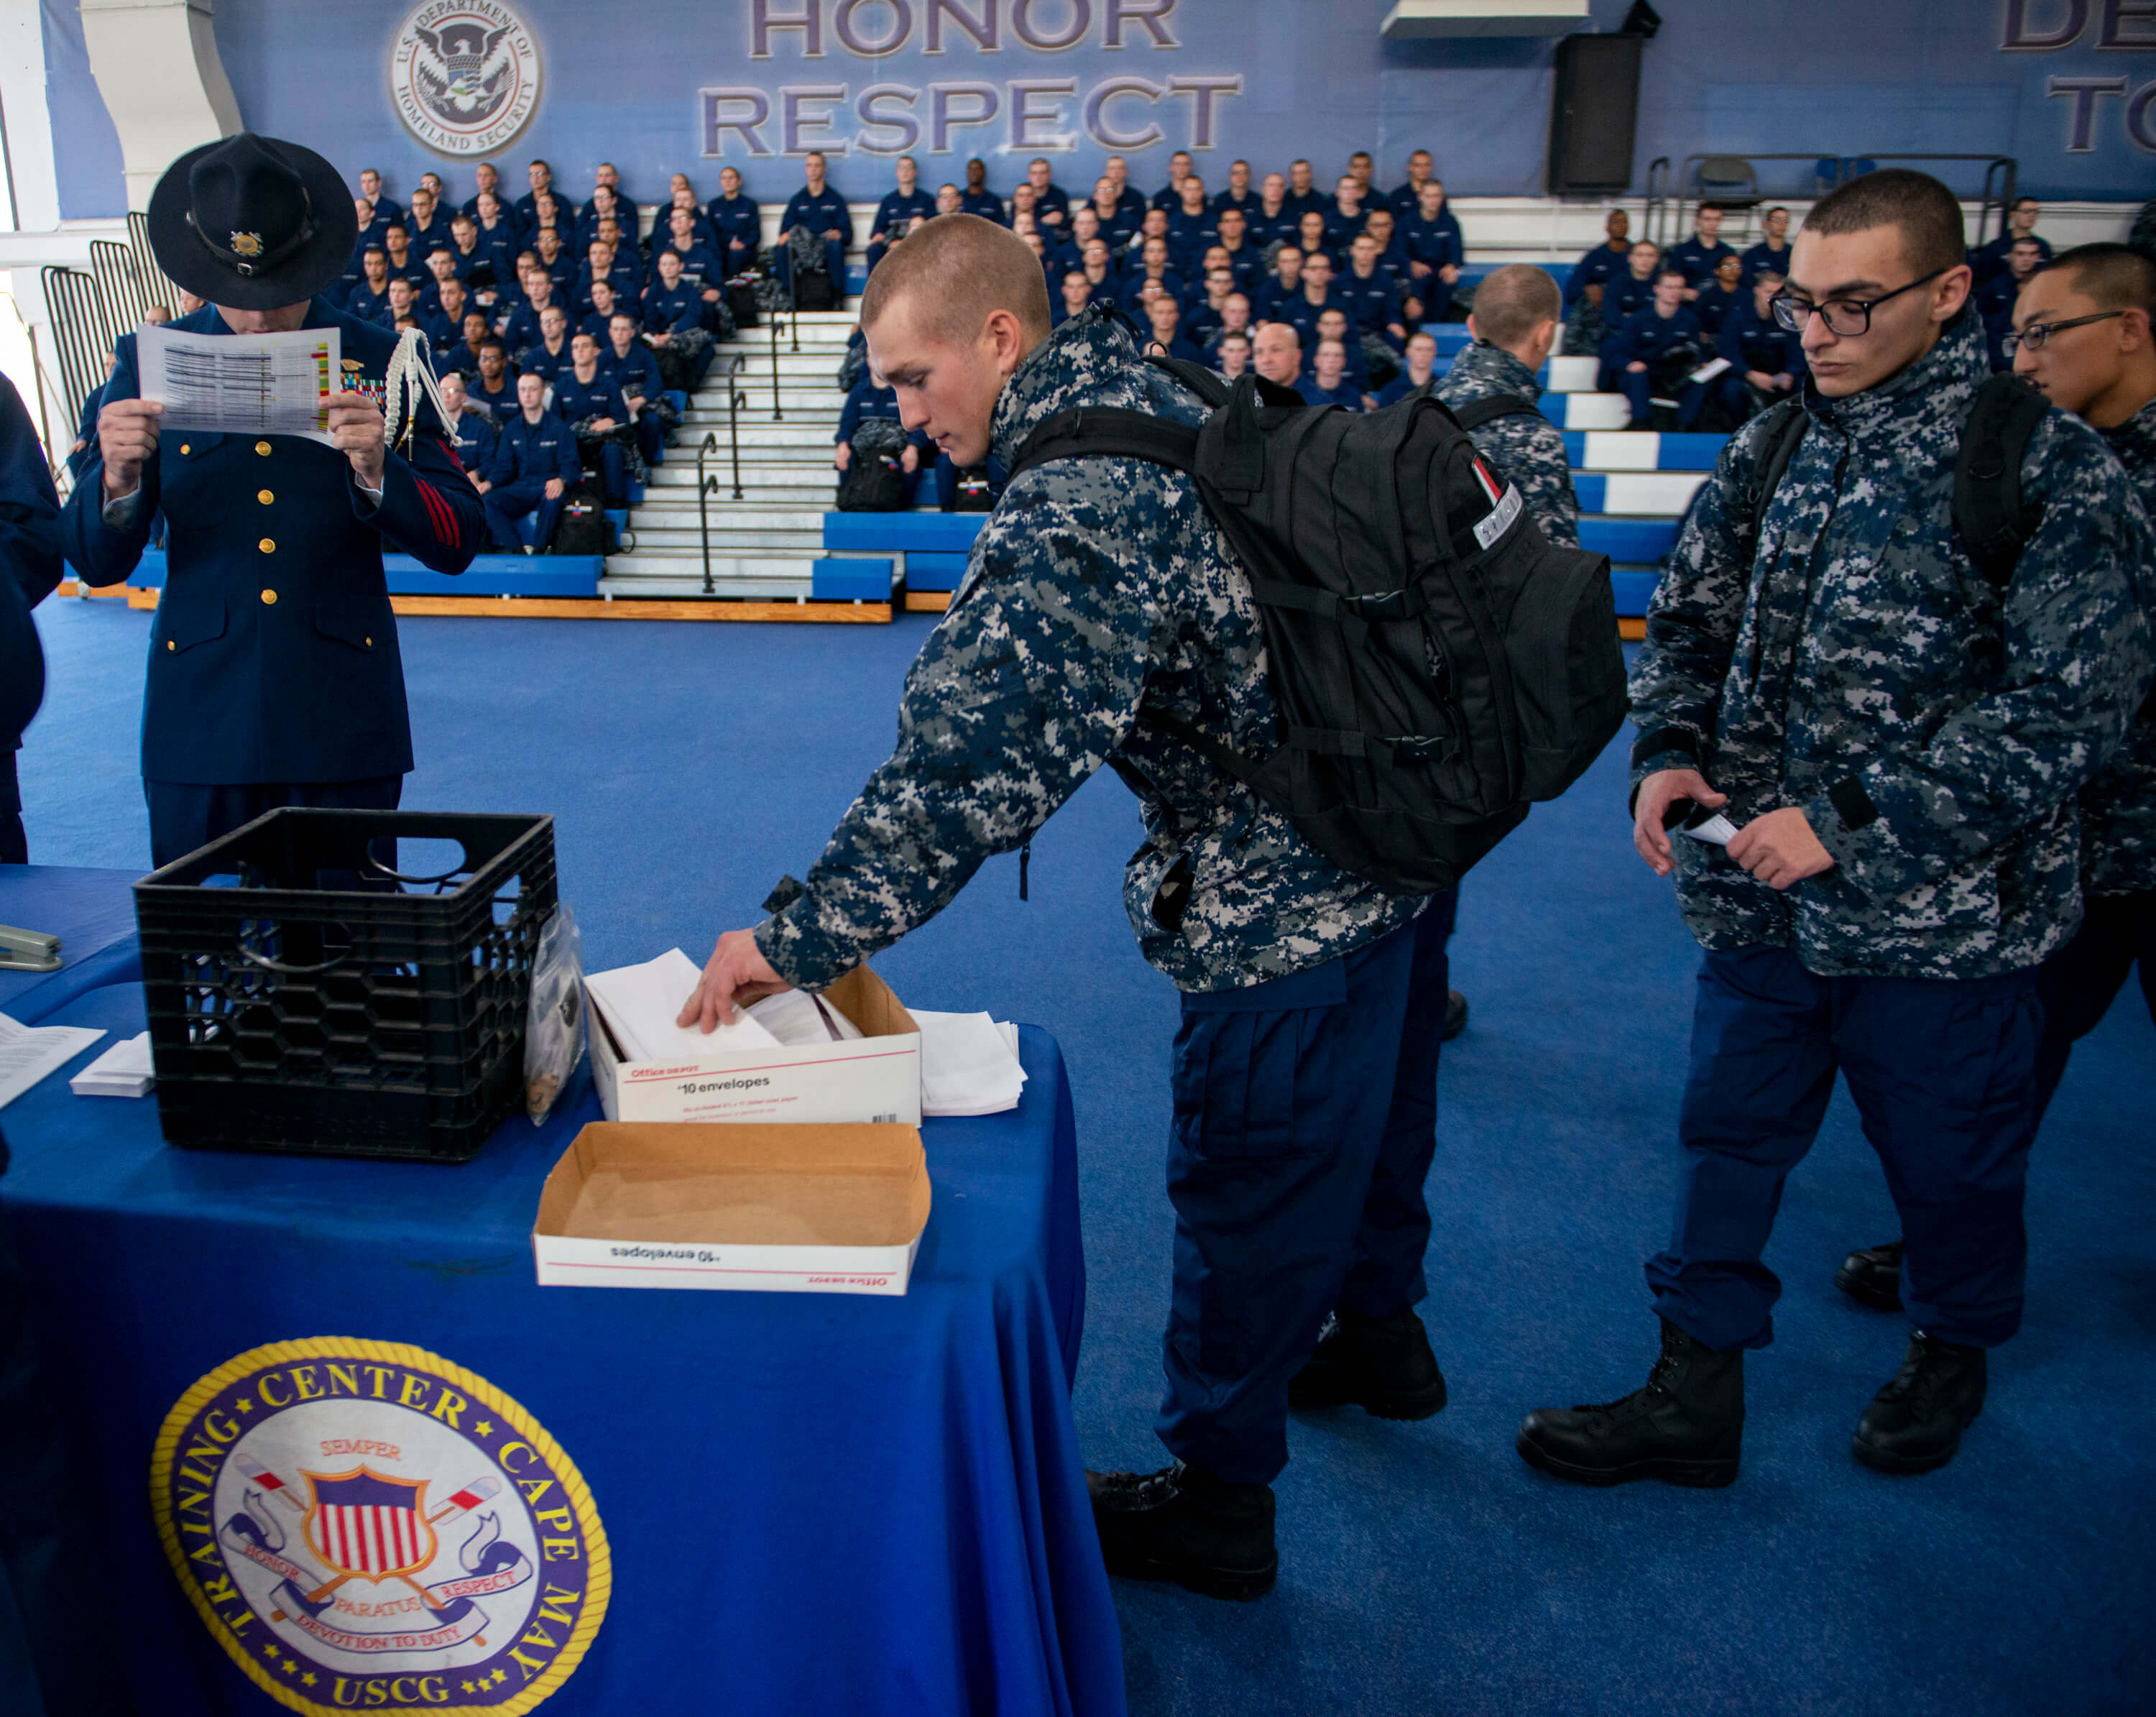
(2036, 333)
(1847, 317)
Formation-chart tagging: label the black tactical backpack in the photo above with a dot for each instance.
(583, 526)
(1438, 663)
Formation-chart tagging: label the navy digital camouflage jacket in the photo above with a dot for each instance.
(1853, 662)
(1527, 451)
(1096, 588)
(2118, 807)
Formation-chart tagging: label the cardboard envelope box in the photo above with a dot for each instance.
(785, 1208)
(875, 1079)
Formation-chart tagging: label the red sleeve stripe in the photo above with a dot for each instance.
(439, 510)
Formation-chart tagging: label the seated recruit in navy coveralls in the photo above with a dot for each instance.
(1761, 353)
(1702, 254)
(1295, 976)
(275, 677)
(30, 572)
(899, 209)
(2082, 338)
(1652, 337)
(1898, 740)
(739, 221)
(535, 463)
(1771, 253)
(816, 208)
(588, 398)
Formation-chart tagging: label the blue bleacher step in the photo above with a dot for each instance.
(849, 579)
(1635, 588)
(1628, 540)
(932, 569)
(901, 532)
(1641, 451)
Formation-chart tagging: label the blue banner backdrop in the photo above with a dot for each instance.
(2068, 86)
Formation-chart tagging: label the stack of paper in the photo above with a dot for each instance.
(797, 1018)
(29, 1053)
(969, 1064)
(638, 1005)
(125, 1070)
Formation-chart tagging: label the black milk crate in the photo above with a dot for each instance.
(334, 1003)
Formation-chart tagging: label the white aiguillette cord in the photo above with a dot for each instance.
(408, 379)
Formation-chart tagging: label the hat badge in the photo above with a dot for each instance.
(246, 244)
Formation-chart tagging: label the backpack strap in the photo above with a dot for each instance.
(1107, 432)
(1471, 417)
(1993, 520)
(1208, 385)
(1779, 441)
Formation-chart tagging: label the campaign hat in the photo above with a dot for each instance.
(252, 222)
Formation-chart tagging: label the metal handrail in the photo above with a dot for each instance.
(705, 485)
(736, 398)
(777, 413)
(1669, 194)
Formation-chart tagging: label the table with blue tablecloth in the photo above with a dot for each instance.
(797, 1503)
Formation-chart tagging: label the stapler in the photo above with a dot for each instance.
(27, 950)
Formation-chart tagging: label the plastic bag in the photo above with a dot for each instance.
(554, 1029)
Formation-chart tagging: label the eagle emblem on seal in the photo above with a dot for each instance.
(463, 70)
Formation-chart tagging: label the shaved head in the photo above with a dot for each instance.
(953, 273)
(1513, 300)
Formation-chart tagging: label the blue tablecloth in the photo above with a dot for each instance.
(91, 911)
(814, 1503)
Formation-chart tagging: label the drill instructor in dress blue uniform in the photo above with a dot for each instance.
(275, 677)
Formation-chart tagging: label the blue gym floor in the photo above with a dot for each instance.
(1423, 1569)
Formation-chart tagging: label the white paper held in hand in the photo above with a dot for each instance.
(243, 384)
(639, 1005)
(30, 1053)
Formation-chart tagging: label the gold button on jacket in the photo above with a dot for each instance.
(270, 597)
(267, 545)
(262, 448)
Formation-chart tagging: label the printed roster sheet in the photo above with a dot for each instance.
(243, 384)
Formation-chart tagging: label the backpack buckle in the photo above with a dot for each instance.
(1384, 605)
(1423, 748)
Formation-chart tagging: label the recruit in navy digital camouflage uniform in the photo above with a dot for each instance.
(1527, 449)
(2082, 336)
(1304, 1069)
(1900, 746)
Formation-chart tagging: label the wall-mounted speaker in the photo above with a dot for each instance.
(1593, 114)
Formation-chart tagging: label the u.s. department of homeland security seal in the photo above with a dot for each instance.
(368, 1526)
(465, 74)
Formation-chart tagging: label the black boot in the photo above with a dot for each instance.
(1383, 1365)
(1684, 1428)
(1182, 1524)
(1455, 1015)
(1914, 1425)
(1873, 1277)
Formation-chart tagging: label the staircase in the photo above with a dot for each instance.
(765, 545)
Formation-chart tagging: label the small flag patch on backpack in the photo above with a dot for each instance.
(1491, 487)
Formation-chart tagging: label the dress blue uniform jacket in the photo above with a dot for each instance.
(673, 309)
(819, 214)
(1754, 342)
(535, 452)
(1598, 268)
(274, 655)
(986, 204)
(739, 223)
(1764, 255)
(30, 572)
(898, 206)
(1699, 261)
